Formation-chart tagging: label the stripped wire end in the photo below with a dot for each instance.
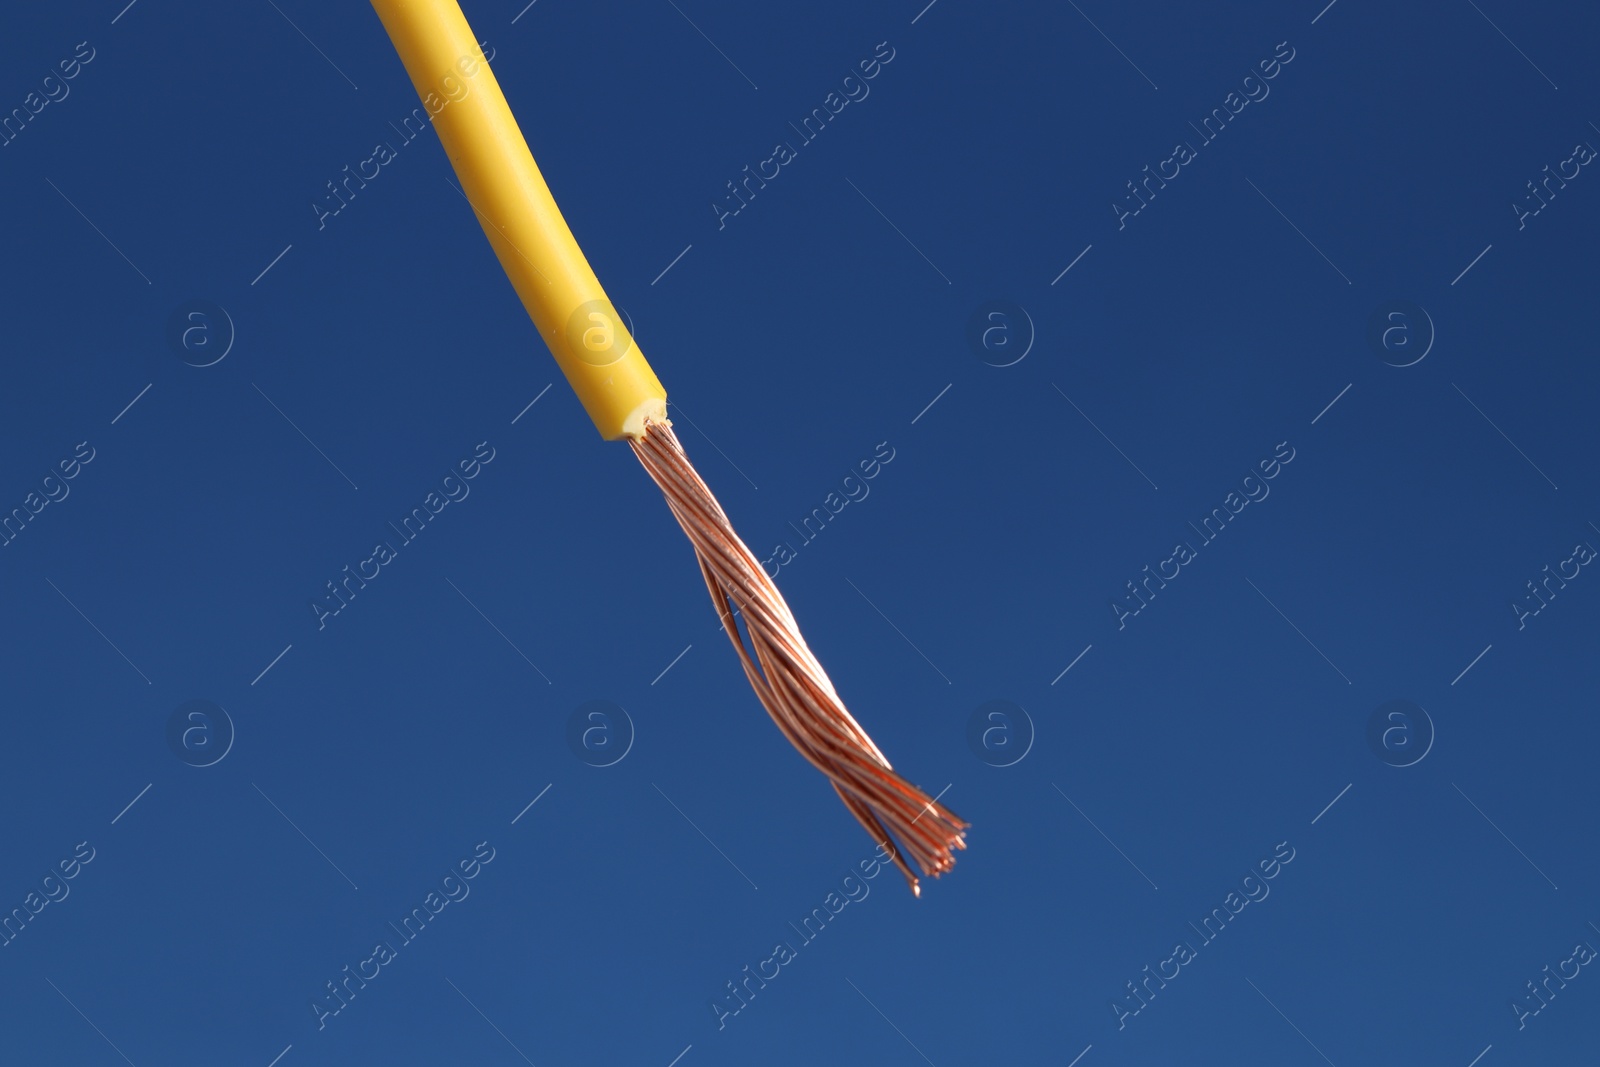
(789, 681)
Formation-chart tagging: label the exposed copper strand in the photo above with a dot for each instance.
(789, 681)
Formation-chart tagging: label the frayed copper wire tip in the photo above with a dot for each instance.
(789, 681)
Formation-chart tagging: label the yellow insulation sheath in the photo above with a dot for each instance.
(547, 268)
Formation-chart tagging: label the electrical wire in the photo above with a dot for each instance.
(617, 387)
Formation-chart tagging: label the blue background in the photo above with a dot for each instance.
(1218, 722)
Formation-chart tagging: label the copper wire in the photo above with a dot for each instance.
(789, 681)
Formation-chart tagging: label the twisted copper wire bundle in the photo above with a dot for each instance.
(789, 681)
